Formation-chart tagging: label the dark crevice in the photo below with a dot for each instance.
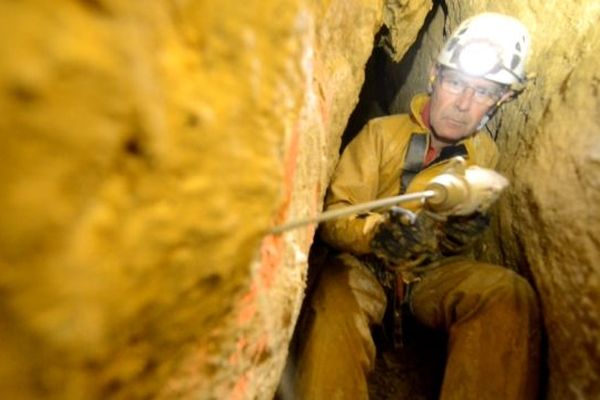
(383, 79)
(373, 99)
(415, 370)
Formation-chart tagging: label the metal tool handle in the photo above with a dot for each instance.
(342, 212)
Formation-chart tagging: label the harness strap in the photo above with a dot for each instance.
(415, 158)
(413, 161)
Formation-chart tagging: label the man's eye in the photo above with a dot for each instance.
(487, 93)
(455, 83)
(483, 92)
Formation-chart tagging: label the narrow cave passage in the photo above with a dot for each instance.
(415, 370)
(385, 87)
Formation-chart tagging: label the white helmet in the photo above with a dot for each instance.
(488, 45)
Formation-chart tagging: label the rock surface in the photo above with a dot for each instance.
(147, 148)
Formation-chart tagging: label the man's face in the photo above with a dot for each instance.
(459, 102)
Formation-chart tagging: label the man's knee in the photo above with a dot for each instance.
(504, 282)
(500, 287)
(464, 289)
(517, 290)
(346, 286)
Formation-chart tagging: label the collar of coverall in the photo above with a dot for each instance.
(417, 106)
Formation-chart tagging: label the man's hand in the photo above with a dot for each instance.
(401, 238)
(461, 232)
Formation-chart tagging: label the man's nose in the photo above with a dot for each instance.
(464, 99)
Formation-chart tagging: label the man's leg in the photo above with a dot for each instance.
(337, 349)
(492, 318)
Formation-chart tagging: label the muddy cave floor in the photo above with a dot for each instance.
(413, 371)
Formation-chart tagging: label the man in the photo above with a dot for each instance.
(489, 312)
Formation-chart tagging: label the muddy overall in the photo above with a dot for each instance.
(490, 314)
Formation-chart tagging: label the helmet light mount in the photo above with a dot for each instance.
(478, 58)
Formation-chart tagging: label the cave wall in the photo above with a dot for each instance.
(552, 222)
(147, 148)
(548, 222)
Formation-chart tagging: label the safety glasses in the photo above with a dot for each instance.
(454, 82)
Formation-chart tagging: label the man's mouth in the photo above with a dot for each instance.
(455, 122)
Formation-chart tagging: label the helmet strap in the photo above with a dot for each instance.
(484, 121)
(488, 115)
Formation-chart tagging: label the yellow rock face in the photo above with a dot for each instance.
(146, 149)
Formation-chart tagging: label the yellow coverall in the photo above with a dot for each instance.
(490, 313)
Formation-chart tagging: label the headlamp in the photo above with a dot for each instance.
(479, 59)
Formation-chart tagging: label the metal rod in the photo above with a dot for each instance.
(342, 212)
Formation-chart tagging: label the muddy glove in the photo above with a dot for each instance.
(402, 238)
(461, 232)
